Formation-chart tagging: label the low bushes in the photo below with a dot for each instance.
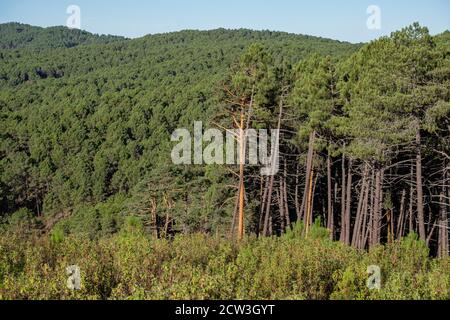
(129, 265)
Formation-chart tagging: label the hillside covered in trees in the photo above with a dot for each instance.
(89, 123)
(86, 124)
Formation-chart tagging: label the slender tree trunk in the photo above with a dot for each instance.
(401, 220)
(267, 219)
(263, 205)
(443, 223)
(309, 179)
(343, 188)
(166, 225)
(389, 218)
(241, 178)
(419, 187)
(296, 199)
(281, 207)
(309, 165)
(235, 214)
(363, 238)
(245, 121)
(271, 226)
(359, 211)
(377, 208)
(309, 202)
(348, 204)
(311, 209)
(285, 193)
(302, 207)
(330, 218)
(371, 209)
(411, 200)
(281, 203)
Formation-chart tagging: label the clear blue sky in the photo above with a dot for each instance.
(337, 19)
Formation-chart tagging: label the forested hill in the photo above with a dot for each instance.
(18, 36)
(54, 52)
(85, 133)
(83, 123)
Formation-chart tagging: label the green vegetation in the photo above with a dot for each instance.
(83, 124)
(86, 176)
(129, 265)
(23, 36)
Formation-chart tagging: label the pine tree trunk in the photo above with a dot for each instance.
(330, 218)
(363, 237)
(389, 226)
(309, 178)
(263, 205)
(241, 178)
(370, 228)
(285, 194)
(419, 187)
(376, 232)
(311, 209)
(235, 214)
(267, 219)
(268, 228)
(348, 204)
(401, 220)
(359, 211)
(308, 212)
(443, 223)
(296, 199)
(302, 207)
(343, 188)
(411, 203)
(281, 207)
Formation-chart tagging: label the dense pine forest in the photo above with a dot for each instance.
(86, 175)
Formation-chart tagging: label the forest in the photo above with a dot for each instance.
(86, 176)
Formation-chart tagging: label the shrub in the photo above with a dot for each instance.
(130, 265)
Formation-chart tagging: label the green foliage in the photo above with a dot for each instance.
(20, 216)
(22, 220)
(87, 117)
(316, 231)
(23, 36)
(57, 235)
(131, 266)
(406, 274)
(96, 221)
(85, 158)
